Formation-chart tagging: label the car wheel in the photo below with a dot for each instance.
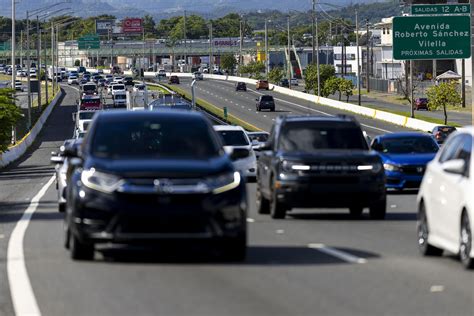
(356, 211)
(67, 235)
(263, 205)
(234, 249)
(273, 109)
(61, 207)
(378, 209)
(277, 209)
(423, 232)
(80, 250)
(466, 243)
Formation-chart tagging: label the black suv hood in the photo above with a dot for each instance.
(168, 168)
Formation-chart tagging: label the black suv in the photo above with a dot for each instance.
(265, 102)
(147, 177)
(241, 86)
(128, 81)
(315, 161)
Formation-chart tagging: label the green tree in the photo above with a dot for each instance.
(196, 27)
(149, 26)
(442, 96)
(229, 26)
(331, 86)
(9, 115)
(275, 75)
(77, 63)
(311, 77)
(228, 62)
(345, 87)
(254, 69)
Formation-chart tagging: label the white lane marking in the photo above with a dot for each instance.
(23, 298)
(264, 115)
(280, 231)
(2, 236)
(327, 114)
(393, 206)
(337, 253)
(250, 220)
(436, 288)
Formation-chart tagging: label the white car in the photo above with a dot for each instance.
(83, 119)
(235, 139)
(139, 87)
(445, 201)
(72, 80)
(18, 85)
(294, 82)
(119, 99)
(117, 87)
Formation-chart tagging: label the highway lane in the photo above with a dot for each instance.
(281, 276)
(242, 104)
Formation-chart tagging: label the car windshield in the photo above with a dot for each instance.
(267, 98)
(118, 87)
(86, 115)
(89, 88)
(310, 137)
(120, 97)
(447, 129)
(407, 145)
(234, 138)
(154, 138)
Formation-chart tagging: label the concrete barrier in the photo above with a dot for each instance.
(19, 149)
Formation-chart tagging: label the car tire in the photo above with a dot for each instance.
(422, 229)
(234, 249)
(62, 207)
(277, 209)
(258, 108)
(263, 205)
(378, 209)
(67, 235)
(356, 211)
(273, 109)
(466, 242)
(80, 250)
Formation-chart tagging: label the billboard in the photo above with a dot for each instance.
(226, 41)
(103, 27)
(132, 25)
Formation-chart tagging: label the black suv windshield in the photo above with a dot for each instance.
(234, 138)
(309, 137)
(407, 145)
(154, 138)
(267, 98)
(86, 115)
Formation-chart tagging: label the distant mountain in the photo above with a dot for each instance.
(166, 8)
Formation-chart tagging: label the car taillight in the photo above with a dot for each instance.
(438, 135)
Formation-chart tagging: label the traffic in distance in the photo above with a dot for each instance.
(142, 169)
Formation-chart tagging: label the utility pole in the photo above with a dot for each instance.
(45, 70)
(57, 56)
(317, 53)
(185, 44)
(210, 48)
(368, 60)
(240, 48)
(312, 32)
(52, 57)
(289, 52)
(463, 83)
(21, 48)
(28, 64)
(38, 60)
(358, 60)
(13, 45)
(267, 70)
(412, 109)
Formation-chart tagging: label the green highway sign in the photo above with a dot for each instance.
(5, 46)
(436, 9)
(88, 42)
(431, 37)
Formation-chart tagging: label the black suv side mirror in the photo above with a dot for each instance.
(239, 153)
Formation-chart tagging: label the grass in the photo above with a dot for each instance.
(214, 110)
(157, 88)
(417, 116)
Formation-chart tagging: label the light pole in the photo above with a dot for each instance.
(13, 44)
(267, 66)
(241, 42)
(288, 70)
(358, 62)
(210, 48)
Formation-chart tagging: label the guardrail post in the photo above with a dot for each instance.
(193, 100)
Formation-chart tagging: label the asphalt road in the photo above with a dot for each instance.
(314, 262)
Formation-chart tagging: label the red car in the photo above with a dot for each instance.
(421, 104)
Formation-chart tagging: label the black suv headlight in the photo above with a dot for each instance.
(100, 181)
(291, 166)
(224, 182)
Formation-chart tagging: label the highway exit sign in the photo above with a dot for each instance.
(88, 42)
(431, 37)
(436, 9)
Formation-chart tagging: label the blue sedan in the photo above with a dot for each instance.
(405, 156)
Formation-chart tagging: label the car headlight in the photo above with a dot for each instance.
(289, 166)
(375, 167)
(224, 182)
(391, 167)
(103, 182)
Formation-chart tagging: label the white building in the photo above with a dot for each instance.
(386, 67)
(347, 60)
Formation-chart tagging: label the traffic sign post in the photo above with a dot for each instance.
(88, 42)
(431, 37)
